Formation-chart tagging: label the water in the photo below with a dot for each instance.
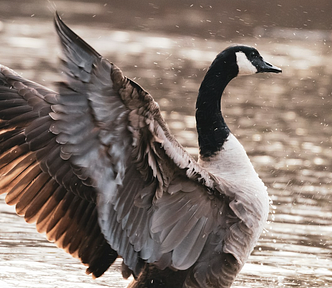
(283, 121)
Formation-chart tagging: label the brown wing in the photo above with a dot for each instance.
(97, 169)
(40, 183)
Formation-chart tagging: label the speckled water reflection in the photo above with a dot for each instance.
(282, 120)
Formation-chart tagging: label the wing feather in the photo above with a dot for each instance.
(10, 157)
(47, 212)
(69, 242)
(188, 251)
(38, 203)
(18, 187)
(31, 192)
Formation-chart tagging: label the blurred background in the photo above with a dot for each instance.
(283, 121)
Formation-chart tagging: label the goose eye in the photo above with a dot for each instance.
(253, 54)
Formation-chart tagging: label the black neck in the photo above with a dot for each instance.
(211, 127)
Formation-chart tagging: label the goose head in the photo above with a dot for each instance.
(242, 60)
(249, 61)
(232, 62)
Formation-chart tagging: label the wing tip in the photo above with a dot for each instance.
(58, 23)
(67, 36)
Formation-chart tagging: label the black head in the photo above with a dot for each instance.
(233, 61)
(249, 61)
(243, 60)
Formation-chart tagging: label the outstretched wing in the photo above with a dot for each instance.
(133, 163)
(96, 168)
(43, 186)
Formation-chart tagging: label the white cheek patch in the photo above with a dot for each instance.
(245, 66)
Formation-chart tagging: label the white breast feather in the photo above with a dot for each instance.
(233, 165)
(243, 183)
(231, 162)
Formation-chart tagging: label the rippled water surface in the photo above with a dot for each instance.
(284, 122)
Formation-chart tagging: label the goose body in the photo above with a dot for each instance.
(96, 168)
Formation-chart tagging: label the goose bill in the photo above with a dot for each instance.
(267, 67)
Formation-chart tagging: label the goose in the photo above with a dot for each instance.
(95, 166)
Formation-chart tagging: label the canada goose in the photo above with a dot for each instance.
(95, 166)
